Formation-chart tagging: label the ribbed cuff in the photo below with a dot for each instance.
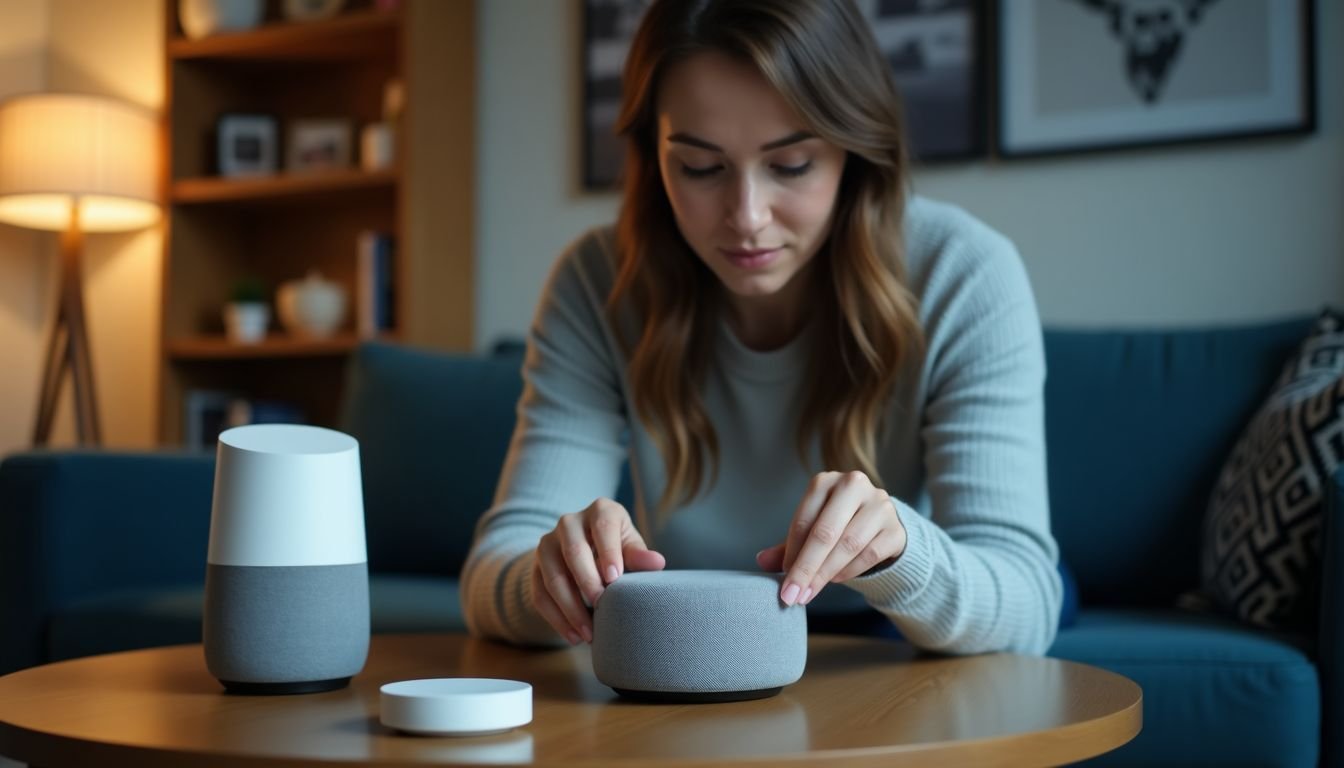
(888, 588)
(522, 621)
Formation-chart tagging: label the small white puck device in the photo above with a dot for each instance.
(455, 706)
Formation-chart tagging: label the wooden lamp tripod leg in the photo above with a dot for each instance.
(69, 346)
(52, 372)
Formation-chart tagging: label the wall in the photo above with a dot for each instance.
(112, 49)
(25, 273)
(1208, 234)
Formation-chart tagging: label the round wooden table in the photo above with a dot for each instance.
(861, 702)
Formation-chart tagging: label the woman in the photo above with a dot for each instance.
(808, 375)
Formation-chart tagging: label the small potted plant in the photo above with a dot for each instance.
(248, 313)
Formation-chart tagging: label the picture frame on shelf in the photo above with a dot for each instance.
(246, 145)
(1092, 75)
(319, 145)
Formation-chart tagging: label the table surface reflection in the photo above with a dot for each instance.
(861, 702)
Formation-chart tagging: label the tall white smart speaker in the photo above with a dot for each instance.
(287, 581)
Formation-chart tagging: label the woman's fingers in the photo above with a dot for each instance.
(576, 561)
(559, 583)
(771, 559)
(863, 544)
(577, 552)
(609, 527)
(638, 558)
(827, 530)
(814, 498)
(549, 610)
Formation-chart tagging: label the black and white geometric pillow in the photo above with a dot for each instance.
(1261, 555)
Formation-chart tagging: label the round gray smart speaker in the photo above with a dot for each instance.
(287, 583)
(697, 636)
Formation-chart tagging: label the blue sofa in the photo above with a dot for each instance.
(101, 551)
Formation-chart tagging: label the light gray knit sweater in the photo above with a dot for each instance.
(962, 454)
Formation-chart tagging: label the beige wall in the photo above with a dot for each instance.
(24, 272)
(1203, 234)
(112, 49)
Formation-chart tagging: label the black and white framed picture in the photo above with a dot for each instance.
(936, 54)
(934, 49)
(608, 28)
(246, 145)
(1078, 75)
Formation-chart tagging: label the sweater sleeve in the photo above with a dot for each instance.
(979, 573)
(566, 451)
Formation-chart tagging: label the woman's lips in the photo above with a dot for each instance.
(750, 258)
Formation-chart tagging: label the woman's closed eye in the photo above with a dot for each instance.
(793, 170)
(699, 172)
(788, 171)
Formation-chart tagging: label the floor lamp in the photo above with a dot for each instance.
(75, 164)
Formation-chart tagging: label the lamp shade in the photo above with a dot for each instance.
(62, 150)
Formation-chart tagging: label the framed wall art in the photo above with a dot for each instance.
(1078, 75)
(608, 28)
(936, 54)
(934, 48)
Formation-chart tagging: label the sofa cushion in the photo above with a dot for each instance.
(1214, 692)
(1261, 558)
(433, 428)
(1137, 426)
(172, 615)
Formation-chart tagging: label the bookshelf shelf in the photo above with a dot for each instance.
(353, 35)
(281, 187)
(214, 347)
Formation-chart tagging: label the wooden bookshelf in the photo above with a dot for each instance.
(282, 226)
(275, 345)
(355, 34)
(214, 189)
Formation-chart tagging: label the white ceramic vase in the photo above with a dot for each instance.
(312, 306)
(245, 322)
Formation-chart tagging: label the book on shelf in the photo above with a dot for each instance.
(209, 412)
(375, 284)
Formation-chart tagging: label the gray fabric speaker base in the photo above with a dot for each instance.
(697, 634)
(696, 697)
(284, 689)
(286, 624)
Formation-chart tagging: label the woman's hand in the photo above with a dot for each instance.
(587, 551)
(843, 528)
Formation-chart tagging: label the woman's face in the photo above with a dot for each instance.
(751, 188)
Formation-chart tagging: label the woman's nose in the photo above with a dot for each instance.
(748, 205)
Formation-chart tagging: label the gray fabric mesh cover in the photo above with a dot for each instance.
(697, 632)
(286, 624)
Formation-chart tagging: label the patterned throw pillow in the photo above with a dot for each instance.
(1261, 555)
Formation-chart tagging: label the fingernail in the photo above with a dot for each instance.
(790, 594)
(587, 634)
(807, 595)
(611, 573)
(572, 638)
(758, 554)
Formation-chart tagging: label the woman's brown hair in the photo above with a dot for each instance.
(821, 57)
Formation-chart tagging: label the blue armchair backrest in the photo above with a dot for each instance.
(1138, 424)
(433, 430)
